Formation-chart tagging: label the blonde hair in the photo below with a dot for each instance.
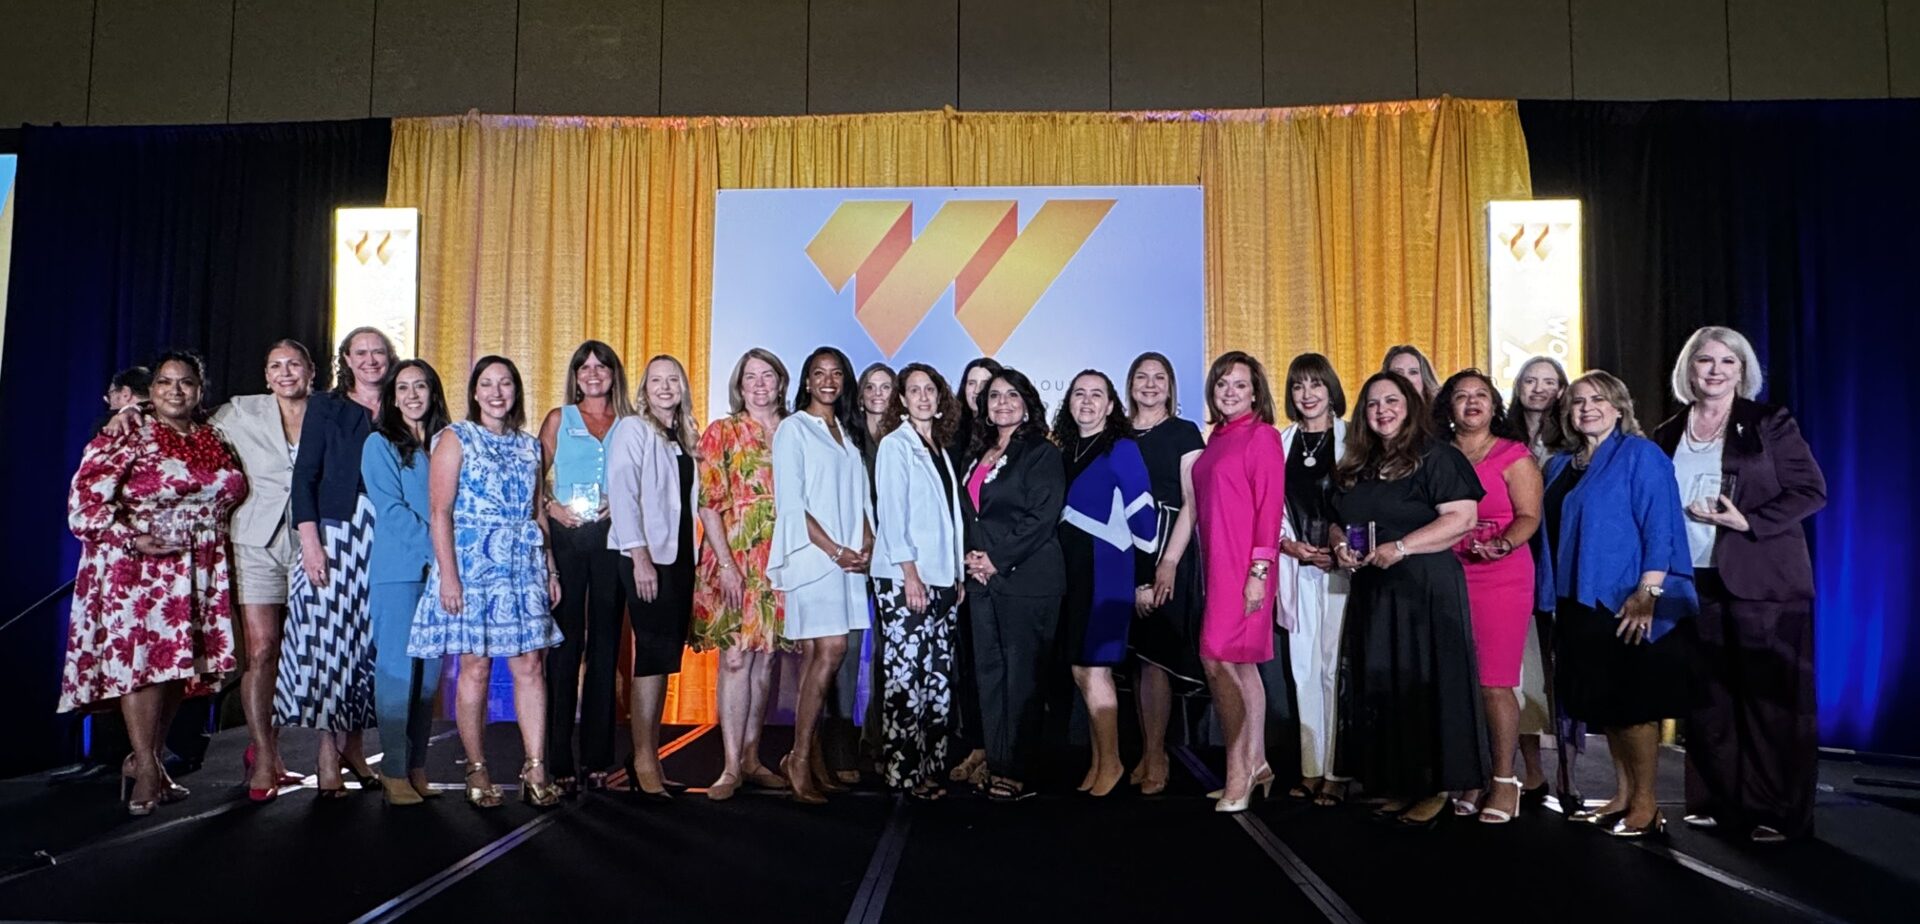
(682, 431)
(1610, 388)
(1752, 377)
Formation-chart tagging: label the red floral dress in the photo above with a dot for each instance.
(142, 619)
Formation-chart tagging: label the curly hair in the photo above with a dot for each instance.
(1501, 426)
(946, 412)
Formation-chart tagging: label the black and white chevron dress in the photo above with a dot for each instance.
(326, 656)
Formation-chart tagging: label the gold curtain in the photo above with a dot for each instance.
(1338, 229)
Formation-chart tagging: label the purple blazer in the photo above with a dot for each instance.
(1780, 486)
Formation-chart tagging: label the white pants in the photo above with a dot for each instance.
(1319, 612)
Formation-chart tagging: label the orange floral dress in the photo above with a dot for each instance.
(736, 480)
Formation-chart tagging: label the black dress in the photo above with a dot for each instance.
(660, 628)
(1170, 638)
(1411, 719)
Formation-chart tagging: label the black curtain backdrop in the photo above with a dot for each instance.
(128, 241)
(1799, 225)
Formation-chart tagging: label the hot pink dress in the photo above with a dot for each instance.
(1239, 496)
(1500, 593)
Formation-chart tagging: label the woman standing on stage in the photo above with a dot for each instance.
(1406, 361)
(490, 591)
(1239, 489)
(1750, 482)
(917, 566)
(823, 541)
(1015, 576)
(326, 656)
(1167, 638)
(593, 600)
(1411, 721)
(1499, 567)
(1312, 592)
(735, 609)
(846, 748)
(264, 432)
(1535, 416)
(151, 620)
(393, 466)
(655, 489)
(1108, 517)
(1613, 557)
(967, 732)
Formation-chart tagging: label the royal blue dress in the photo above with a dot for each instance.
(1109, 518)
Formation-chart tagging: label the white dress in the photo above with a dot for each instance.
(815, 475)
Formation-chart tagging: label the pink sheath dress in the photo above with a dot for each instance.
(1239, 497)
(1500, 593)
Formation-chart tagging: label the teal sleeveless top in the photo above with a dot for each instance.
(578, 458)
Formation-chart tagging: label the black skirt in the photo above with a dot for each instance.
(1411, 718)
(1604, 681)
(1169, 638)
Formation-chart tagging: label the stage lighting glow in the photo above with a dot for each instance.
(376, 273)
(8, 164)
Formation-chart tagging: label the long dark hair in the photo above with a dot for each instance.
(617, 395)
(392, 422)
(986, 435)
(1498, 425)
(516, 415)
(1370, 456)
(1066, 430)
(846, 407)
(946, 414)
(1173, 383)
(993, 368)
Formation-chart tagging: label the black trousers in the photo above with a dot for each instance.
(593, 601)
(1013, 645)
(1753, 734)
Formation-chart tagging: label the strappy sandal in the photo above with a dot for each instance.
(928, 792)
(1493, 816)
(1302, 790)
(1328, 797)
(1002, 789)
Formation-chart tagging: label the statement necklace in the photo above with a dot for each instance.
(1312, 452)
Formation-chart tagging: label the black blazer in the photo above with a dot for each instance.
(326, 474)
(1780, 485)
(1016, 521)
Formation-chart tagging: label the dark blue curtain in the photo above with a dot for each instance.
(1799, 225)
(128, 241)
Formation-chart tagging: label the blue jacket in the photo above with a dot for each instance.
(402, 545)
(1623, 519)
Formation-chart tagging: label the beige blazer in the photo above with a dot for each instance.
(251, 423)
(643, 480)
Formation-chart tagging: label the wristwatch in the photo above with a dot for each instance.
(1653, 590)
(1401, 547)
(1259, 570)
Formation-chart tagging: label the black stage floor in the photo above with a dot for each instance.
(67, 853)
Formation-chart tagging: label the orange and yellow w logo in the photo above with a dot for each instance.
(997, 270)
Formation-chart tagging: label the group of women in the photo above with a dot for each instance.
(1433, 568)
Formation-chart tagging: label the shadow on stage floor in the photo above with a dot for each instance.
(68, 853)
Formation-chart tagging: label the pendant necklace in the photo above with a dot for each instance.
(1312, 452)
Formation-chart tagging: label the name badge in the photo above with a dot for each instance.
(579, 432)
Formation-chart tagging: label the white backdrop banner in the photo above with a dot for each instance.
(1046, 279)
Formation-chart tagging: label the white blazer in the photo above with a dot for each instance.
(1303, 591)
(918, 520)
(814, 476)
(643, 480)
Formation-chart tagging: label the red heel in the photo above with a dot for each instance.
(256, 796)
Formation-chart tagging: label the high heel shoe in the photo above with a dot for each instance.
(483, 797)
(1596, 816)
(256, 796)
(538, 795)
(1493, 816)
(367, 781)
(139, 809)
(400, 792)
(633, 780)
(1262, 778)
(1658, 826)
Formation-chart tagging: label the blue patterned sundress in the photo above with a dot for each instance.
(497, 545)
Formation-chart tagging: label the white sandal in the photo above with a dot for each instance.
(1493, 816)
